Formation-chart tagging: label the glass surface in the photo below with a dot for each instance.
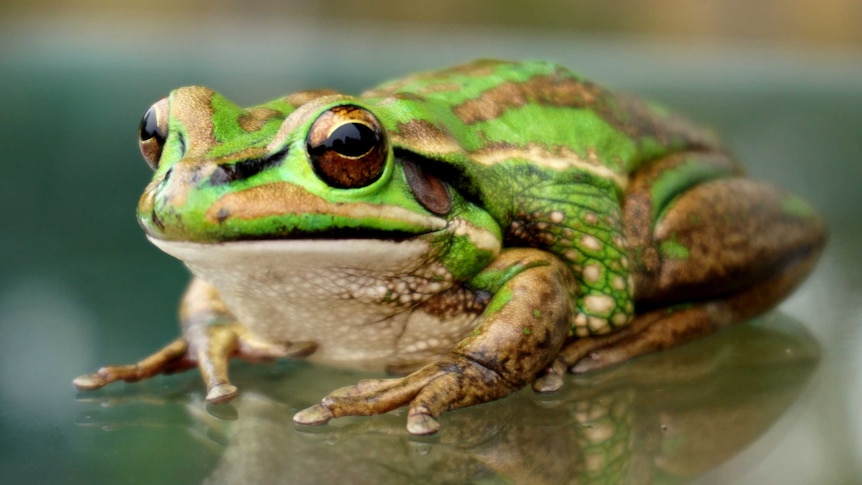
(774, 401)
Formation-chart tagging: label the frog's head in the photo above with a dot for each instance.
(310, 166)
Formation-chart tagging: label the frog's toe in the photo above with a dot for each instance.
(88, 382)
(314, 415)
(221, 393)
(601, 358)
(551, 379)
(440, 395)
(170, 358)
(422, 423)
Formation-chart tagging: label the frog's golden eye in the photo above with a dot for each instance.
(153, 132)
(347, 147)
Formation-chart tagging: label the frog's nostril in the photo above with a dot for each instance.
(156, 221)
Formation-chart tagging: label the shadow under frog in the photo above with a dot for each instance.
(666, 417)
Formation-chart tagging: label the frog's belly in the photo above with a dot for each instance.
(359, 301)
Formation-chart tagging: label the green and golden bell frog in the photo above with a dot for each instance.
(476, 229)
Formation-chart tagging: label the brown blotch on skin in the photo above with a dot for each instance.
(192, 106)
(478, 68)
(443, 87)
(266, 200)
(424, 136)
(455, 302)
(255, 118)
(388, 89)
(544, 90)
(408, 97)
(301, 97)
(393, 92)
(639, 216)
(422, 129)
(481, 68)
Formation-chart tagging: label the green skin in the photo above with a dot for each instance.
(588, 227)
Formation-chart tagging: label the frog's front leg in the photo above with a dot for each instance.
(519, 333)
(211, 337)
(710, 248)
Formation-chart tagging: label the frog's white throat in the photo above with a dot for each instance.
(331, 291)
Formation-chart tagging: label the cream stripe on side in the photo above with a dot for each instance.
(559, 159)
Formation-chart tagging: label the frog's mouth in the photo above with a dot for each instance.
(283, 232)
(275, 230)
(344, 234)
(261, 256)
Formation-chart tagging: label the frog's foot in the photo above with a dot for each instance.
(210, 348)
(551, 379)
(170, 358)
(451, 383)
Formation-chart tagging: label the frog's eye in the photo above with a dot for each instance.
(153, 132)
(347, 147)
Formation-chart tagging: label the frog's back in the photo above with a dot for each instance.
(496, 111)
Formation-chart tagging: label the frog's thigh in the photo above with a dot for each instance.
(723, 237)
(727, 250)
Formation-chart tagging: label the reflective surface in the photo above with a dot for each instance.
(775, 401)
(666, 418)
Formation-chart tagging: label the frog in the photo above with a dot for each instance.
(470, 230)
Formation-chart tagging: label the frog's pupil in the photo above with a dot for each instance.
(150, 127)
(352, 140)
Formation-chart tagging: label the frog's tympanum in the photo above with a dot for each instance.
(478, 228)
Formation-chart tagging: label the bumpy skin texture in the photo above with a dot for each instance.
(538, 223)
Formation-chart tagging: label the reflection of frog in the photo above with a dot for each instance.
(666, 418)
(490, 225)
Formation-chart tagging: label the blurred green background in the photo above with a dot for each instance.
(80, 286)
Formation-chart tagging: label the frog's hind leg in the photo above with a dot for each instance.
(663, 328)
(709, 248)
